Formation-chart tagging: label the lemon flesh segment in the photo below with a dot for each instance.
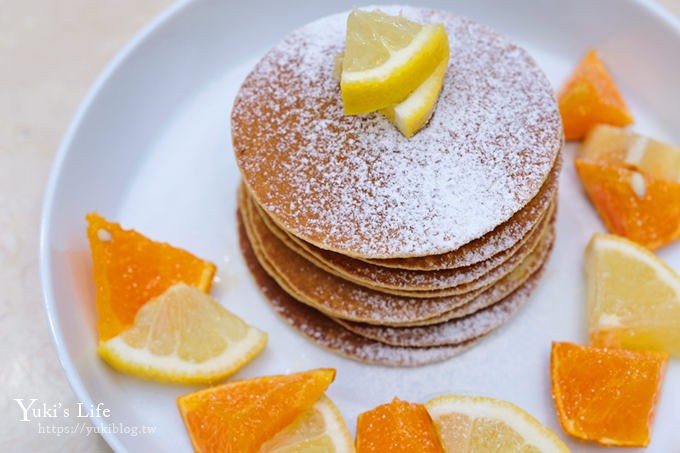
(386, 59)
(319, 429)
(477, 424)
(411, 115)
(183, 336)
(633, 297)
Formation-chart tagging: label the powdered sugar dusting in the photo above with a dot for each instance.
(356, 185)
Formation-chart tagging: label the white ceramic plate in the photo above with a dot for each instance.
(150, 147)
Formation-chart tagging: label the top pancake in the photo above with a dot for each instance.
(355, 185)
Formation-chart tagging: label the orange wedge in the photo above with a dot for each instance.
(130, 270)
(633, 182)
(633, 204)
(590, 97)
(618, 145)
(241, 416)
(397, 427)
(608, 396)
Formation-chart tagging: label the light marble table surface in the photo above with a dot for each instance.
(50, 53)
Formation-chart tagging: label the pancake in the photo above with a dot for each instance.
(403, 281)
(330, 335)
(355, 185)
(508, 284)
(500, 239)
(305, 273)
(455, 331)
(342, 299)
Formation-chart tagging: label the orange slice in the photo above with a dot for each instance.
(241, 416)
(606, 395)
(619, 146)
(130, 270)
(633, 204)
(397, 427)
(590, 97)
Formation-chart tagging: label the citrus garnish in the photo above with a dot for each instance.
(632, 181)
(631, 203)
(633, 296)
(183, 336)
(387, 58)
(477, 424)
(412, 114)
(398, 426)
(617, 145)
(606, 395)
(130, 269)
(590, 97)
(241, 416)
(319, 429)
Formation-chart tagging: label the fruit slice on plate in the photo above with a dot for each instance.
(319, 429)
(241, 416)
(130, 269)
(590, 97)
(606, 395)
(477, 424)
(183, 336)
(633, 204)
(632, 181)
(633, 296)
(411, 115)
(398, 426)
(386, 58)
(619, 146)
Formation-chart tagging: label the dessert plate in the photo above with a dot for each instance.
(150, 147)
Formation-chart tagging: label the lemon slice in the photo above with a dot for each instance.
(321, 428)
(183, 336)
(633, 296)
(476, 424)
(411, 115)
(386, 58)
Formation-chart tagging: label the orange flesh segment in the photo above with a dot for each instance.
(633, 204)
(617, 145)
(240, 416)
(590, 97)
(131, 269)
(606, 395)
(397, 427)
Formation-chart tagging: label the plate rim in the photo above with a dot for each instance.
(74, 379)
(45, 260)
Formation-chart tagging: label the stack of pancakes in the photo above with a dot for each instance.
(387, 249)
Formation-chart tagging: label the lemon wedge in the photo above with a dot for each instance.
(183, 336)
(476, 424)
(320, 428)
(387, 58)
(411, 115)
(633, 296)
